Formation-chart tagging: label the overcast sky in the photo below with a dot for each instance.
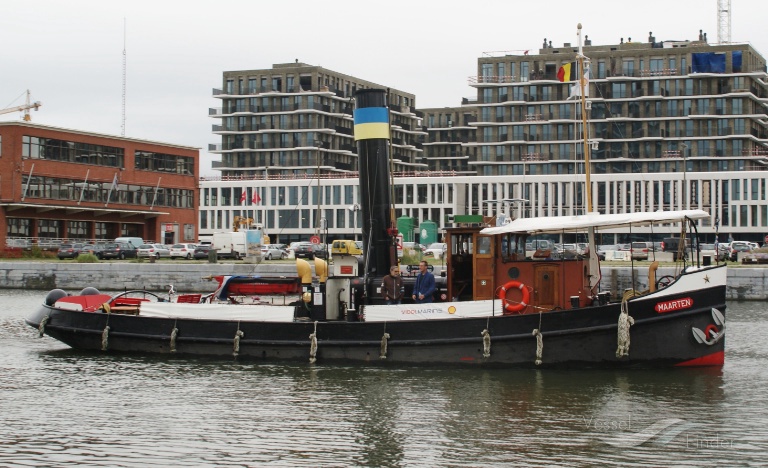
(69, 53)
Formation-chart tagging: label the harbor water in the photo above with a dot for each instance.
(62, 407)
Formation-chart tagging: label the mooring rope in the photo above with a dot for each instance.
(41, 327)
(625, 321)
(486, 343)
(236, 345)
(384, 338)
(105, 338)
(313, 345)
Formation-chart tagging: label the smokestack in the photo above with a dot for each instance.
(372, 133)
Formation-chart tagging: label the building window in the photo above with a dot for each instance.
(161, 162)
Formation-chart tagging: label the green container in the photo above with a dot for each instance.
(427, 232)
(405, 225)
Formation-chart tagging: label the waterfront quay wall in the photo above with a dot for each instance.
(743, 283)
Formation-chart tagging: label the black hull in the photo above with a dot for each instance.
(585, 337)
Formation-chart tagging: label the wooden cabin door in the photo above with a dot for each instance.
(483, 267)
(545, 287)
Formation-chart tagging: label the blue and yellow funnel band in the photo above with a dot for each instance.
(371, 122)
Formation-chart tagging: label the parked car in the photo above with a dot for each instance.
(118, 250)
(273, 252)
(436, 250)
(709, 250)
(96, 249)
(153, 250)
(186, 251)
(321, 250)
(303, 250)
(640, 250)
(737, 247)
(69, 251)
(201, 251)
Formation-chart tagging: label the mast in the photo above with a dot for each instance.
(585, 130)
(594, 263)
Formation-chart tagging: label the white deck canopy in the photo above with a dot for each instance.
(583, 222)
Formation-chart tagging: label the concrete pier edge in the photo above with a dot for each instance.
(743, 283)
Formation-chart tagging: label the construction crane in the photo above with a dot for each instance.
(25, 108)
(724, 21)
(241, 221)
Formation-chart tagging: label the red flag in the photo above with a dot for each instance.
(242, 197)
(256, 198)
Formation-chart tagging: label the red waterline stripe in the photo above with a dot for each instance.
(714, 359)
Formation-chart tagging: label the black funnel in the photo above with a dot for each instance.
(372, 137)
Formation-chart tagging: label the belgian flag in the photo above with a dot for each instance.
(567, 72)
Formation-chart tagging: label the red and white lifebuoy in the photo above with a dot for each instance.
(515, 306)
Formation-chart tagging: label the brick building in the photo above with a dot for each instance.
(60, 184)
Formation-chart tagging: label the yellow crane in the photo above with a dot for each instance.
(25, 108)
(239, 221)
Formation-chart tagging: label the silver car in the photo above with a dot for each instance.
(153, 250)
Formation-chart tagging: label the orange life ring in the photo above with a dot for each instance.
(515, 307)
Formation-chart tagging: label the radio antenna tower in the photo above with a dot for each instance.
(724, 21)
(122, 126)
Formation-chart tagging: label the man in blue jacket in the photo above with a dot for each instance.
(425, 285)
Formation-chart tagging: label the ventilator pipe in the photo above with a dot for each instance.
(304, 271)
(321, 269)
(652, 276)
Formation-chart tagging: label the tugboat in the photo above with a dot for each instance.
(497, 304)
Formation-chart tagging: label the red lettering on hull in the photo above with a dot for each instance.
(671, 306)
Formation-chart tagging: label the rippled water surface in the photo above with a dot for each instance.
(62, 407)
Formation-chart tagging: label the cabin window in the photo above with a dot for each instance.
(512, 248)
(483, 245)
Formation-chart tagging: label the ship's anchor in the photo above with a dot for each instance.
(711, 335)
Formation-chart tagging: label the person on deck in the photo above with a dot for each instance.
(392, 286)
(425, 285)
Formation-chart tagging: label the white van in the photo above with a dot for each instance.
(134, 241)
(229, 244)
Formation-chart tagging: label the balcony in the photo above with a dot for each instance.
(491, 79)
